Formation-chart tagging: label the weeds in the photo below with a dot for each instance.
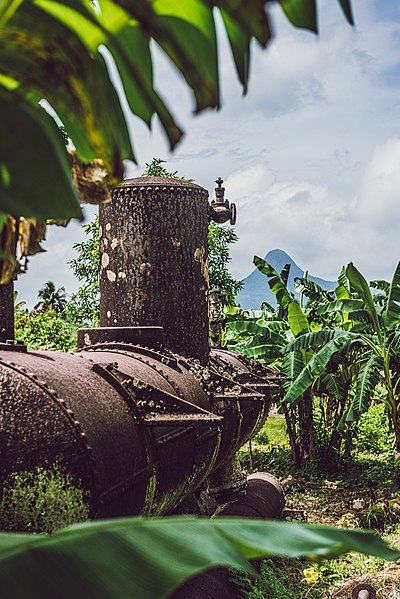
(41, 501)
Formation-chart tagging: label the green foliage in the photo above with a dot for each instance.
(32, 143)
(155, 168)
(79, 86)
(44, 330)
(84, 305)
(43, 500)
(51, 298)
(125, 29)
(276, 282)
(373, 431)
(219, 241)
(121, 558)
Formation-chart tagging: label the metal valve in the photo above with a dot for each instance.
(221, 210)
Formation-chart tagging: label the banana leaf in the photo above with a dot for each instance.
(135, 557)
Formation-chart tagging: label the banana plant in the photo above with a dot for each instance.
(58, 55)
(54, 51)
(299, 417)
(371, 331)
(135, 557)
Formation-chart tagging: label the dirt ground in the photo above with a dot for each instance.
(331, 503)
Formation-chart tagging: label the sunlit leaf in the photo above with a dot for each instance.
(315, 367)
(52, 195)
(360, 285)
(391, 314)
(149, 558)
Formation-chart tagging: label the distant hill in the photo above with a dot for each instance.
(256, 289)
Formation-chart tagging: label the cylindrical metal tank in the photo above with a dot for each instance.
(140, 427)
(142, 415)
(153, 244)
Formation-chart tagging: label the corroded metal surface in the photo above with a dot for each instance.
(153, 245)
(142, 424)
(140, 427)
(145, 336)
(7, 312)
(264, 499)
(363, 591)
(143, 183)
(221, 210)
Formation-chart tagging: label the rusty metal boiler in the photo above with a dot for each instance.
(143, 414)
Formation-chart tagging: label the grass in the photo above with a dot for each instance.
(42, 500)
(361, 494)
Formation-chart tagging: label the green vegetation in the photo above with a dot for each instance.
(45, 330)
(115, 557)
(219, 241)
(361, 493)
(43, 500)
(79, 86)
(340, 350)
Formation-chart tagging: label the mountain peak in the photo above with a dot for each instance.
(256, 289)
(278, 256)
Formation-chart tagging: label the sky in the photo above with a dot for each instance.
(311, 155)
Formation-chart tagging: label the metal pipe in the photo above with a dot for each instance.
(363, 591)
(7, 312)
(262, 498)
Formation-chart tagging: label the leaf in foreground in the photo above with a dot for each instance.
(135, 557)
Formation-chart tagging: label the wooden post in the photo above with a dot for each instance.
(154, 263)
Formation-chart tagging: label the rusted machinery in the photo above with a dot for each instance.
(143, 414)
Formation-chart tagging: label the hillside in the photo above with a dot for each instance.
(256, 290)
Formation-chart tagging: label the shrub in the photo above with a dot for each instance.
(41, 501)
(374, 434)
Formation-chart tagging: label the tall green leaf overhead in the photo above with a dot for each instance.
(53, 50)
(276, 282)
(19, 166)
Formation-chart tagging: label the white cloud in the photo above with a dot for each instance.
(312, 154)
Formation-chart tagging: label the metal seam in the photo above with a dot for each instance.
(43, 386)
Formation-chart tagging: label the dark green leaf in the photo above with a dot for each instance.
(366, 382)
(276, 282)
(380, 284)
(391, 314)
(149, 558)
(301, 13)
(310, 289)
(317, 339)
(343, 280)
(344, 305)
(74, 81)
(292, 365)
(315, 367)
(239, 41)
(394, 341)
(346, 7)
(262, 352)
(127, 41)
(360, 285)
(261, 332)
(53, 194)
(331, 384)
